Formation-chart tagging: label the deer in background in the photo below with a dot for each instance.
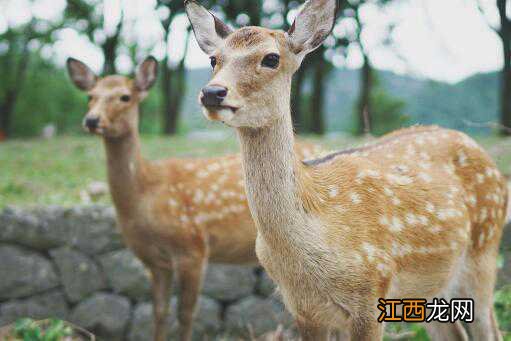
(418, 213)
(174, 214)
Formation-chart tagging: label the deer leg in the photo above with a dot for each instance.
(439, 331)
(310, 332)
(191, 271)
(162, 280)
(366, 329)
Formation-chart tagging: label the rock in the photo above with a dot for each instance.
(50, 304)
(126, 274)
(265, 286)
(89, 228)
(30, 228)
(256, 314)
(105, 315)
(229, 282)
(79, 274)
(207, 321)
(24, 273)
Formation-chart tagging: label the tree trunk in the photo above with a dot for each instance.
(174, 89)
(8, 105)
(364, 102)
(109, 48)
(297, 100)
(505, 90)
(317, 101)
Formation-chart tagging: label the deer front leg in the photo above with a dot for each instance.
(162, 280)
(311, 332)
(191, 272)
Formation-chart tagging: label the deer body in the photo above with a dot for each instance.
(418, 214)
(176, 215)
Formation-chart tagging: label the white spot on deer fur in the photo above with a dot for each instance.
(472, 200)
(445, 214)
(189, 166)
(198, 196)
(382, 268)
(480, 178)
(424, 156)
(370, 250)
(483, 214)
(401, 168)
(355, 198)
(423, 220)
(396, 224)
(215, 187)
(184, 219)
(435, 228)
(481, 239)
(202, 174)
(332, 191)
(388, 191)
(425, 177)
(420, 140)
(172, 202)
(430, 207)
(399, 179)
(411, 219)
(425, 165)
(449, 168)
(213, 167)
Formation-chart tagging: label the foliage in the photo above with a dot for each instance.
(387, 113)
(30, 330)
(502, 301)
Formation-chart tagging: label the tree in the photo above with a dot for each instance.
(14, 63)
(503, 31)
(109, 42)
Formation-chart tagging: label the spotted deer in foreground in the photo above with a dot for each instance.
(418, 213)
(174, 214)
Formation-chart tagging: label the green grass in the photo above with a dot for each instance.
(53, 172)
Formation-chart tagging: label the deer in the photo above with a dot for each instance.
(417, 213)
(176, 215)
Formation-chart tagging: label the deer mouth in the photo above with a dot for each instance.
(217, 108)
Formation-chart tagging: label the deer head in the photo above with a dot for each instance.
(253, 66)
(113, 100)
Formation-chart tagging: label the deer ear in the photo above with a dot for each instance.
(147, 73)
(81, 75)
(209, 30)
(312, 25)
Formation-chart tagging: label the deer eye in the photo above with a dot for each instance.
(212, 60)
(125, 98)
(271, 60)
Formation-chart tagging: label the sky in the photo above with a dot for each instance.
(445, 40)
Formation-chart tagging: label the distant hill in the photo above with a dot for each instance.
(473, 99)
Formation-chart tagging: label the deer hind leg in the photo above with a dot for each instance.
(478, 283)
(439, 331)
(190, 277)
(161, 283)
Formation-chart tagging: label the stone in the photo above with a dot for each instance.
(24, 273)
(79, 274)
(206, 323)
(88, 228)
(105, 315)
(126, 274)
(255, 316)
(265, 286)
(229, 282)
(42, 306)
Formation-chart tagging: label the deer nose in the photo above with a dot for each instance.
(92, 122)
(213, 95)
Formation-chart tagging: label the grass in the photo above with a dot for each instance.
(55, 171)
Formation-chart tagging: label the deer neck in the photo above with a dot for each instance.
(125, 168)
(272, 175)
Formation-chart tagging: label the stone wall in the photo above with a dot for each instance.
(71, 264)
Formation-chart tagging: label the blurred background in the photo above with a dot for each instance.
(389, 63)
